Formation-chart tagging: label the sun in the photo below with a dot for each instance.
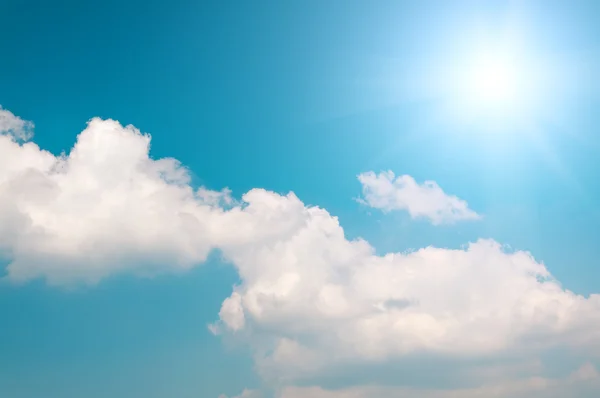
(493, 80)
(491, 85)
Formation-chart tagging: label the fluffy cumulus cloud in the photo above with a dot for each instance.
(387, 192)
(310, 300)
(103, 208)
(315, 300)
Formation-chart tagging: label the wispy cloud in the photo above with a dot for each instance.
(245, 394)
(387, 192)
(14, 125)
(583, 383)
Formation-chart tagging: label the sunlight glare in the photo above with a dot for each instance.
(493, 80)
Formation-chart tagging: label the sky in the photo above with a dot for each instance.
(299, 199)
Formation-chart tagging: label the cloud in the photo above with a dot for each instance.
(386, 192)
(246, 394)
(315, 301)
(104, 208)
(309, 300)
(107, 207)
(14, 125)
(583, 383)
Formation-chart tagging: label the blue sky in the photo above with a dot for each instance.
(109, 290)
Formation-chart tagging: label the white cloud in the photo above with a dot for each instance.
(309, 299)
(14, 125)
(105, 208)
(324, 301)
(386, 192)
(232, 312)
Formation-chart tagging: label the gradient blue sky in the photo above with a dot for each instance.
(289, 96)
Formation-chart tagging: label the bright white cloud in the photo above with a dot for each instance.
(104, 208)
(309, 299)
(323, 301)
(14, 125)
(387, 192)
